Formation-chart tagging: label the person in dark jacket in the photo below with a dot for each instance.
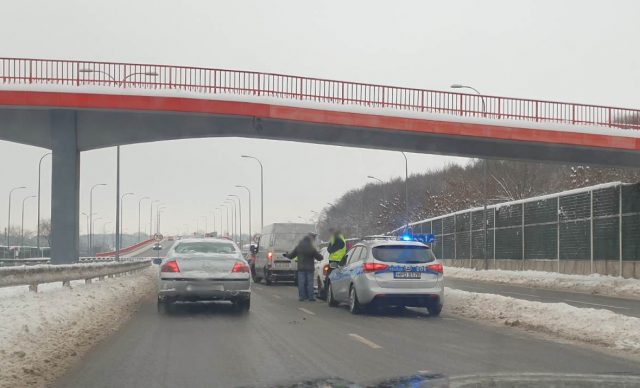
(306, 255)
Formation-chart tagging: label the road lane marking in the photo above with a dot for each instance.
(449, 319)
(304, 310)
(599, 305)
(365, 341)
(277, 296)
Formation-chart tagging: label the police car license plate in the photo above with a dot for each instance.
(282, 265)
(407, 275)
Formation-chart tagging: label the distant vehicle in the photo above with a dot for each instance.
(275, 240)
(157, 247)
(170, 238)
(203, 269)
(388, 273)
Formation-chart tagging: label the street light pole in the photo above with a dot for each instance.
(249, 194)
(406, 191)
(9, 213)
(91, 216)
(151, 217)
(87, 226)
(261, 189)
(239, 217)
(122, 214)
(234, 225)
(39, 175)
(485, 174)
(158, 213)
(104, 233)
(139, 202)
(22, 223)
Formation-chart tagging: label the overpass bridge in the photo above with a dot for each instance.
(74, 106)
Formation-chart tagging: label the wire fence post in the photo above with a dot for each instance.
(620, 230)
(591, 230)
(558, 234)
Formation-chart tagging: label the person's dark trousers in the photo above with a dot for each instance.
(305, 285)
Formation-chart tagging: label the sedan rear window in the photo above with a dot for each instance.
(205, 247)
(403, 253)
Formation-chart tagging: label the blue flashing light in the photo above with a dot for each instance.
(406, 237)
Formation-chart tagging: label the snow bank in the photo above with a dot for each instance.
(593, 326)
(41, 334)
(593, 284)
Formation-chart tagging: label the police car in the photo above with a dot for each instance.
(404, 272)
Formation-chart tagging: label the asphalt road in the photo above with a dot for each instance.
(283, 340)
(162, 253)
(617, 305)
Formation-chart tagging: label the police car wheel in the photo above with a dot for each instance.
(331, 301)
(354, 304)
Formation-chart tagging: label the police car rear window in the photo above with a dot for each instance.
(403, 254)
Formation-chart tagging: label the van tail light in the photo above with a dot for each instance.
(170, 266)
(240, 267)
(436, 267)
(270, 256)
(374, 267)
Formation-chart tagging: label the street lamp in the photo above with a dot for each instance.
(104, 233)
(139, 202)
(9, 213)
(384, 194)
(206, 226)
(484, 173)
(22, 223)
(93, 223)
(406, 190)
(261, 188)
(226, 206)
(39, 174)
(91, 216)
(87, 230)
(239, 216)
(220, 218)
(249, 194)
(122, 214)
(233, 218)
(158, 213)
(151, 216)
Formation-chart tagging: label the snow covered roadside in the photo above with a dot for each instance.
(43, 334)
(593, 326)
(593, 284)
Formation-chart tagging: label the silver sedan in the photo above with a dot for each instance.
(202, 269)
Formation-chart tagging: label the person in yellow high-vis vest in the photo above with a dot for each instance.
(337, 247)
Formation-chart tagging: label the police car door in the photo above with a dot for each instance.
(341, 289)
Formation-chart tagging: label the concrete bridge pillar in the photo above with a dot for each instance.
(65, 187)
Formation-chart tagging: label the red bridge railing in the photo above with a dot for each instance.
(220, 81)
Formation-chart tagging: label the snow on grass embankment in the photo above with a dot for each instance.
(593, 284)
(593, 326)
(42, 334)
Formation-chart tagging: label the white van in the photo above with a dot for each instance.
(275, 240)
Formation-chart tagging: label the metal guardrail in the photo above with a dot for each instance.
(46, 260)
(35, 275)
(221, 81)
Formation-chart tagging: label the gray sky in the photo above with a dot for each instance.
(582, 51)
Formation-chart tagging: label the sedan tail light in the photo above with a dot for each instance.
(170, 266)
(270, 256)
(436, 267)
(374, 267)
(240, 267)
(325, 269)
